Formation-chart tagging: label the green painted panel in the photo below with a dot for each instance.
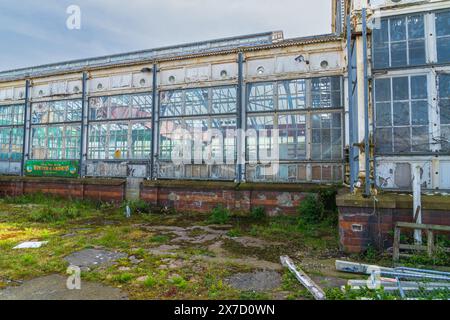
(52, 168)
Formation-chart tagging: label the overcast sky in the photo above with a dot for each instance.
(35, 32)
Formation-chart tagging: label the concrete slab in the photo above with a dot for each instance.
(255, 281)
(53, 287)
(91, 258)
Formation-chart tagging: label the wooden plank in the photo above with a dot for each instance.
(396, 252)
(306, 281)
(430, 241)
(408, 225)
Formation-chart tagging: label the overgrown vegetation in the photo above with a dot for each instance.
(258, 213)
(72, 225)
(219, 215)
(137, 206)
(311, 209)
(381, 294)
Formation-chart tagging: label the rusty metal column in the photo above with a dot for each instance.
(26, 128)
(155, 123)
(240, 121)
(84, 126)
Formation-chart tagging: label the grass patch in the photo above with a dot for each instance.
(160, 239)
(123, 277)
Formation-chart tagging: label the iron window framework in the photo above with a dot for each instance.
(56, 129)
(408, 120)
(309, 116)
(197, 110)
(443, 36)
(412, 40)
(115, 140)
(11, 132)
(120, 127)
(444, 110)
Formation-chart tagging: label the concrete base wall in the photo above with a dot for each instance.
(362, 224)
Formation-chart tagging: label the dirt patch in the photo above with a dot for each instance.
(222, 256)
(256, 281)
(90, 258)
(54, 287)
(194, 234)
(164, 249)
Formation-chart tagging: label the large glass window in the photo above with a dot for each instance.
(186, 118)
(326, 92)
(326, 136)
(11, 132)
(56, 111)
(401, 115)
(56, 142)
(11, 115)
(56, 129)
(120, 140)
(120, 107)
(307, 131)
(113, 135)
(443, 36)
(399, 42)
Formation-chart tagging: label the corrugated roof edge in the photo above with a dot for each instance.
(84, 64)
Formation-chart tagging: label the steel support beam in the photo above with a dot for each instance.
(155, 124)
(240, 114)
(26, 127)
(84, 125)
(366, 105)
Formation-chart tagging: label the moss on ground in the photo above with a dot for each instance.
(75, 225)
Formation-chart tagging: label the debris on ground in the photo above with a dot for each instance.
(407, 282)
(31, 245)
(88, 258)
(306, 281)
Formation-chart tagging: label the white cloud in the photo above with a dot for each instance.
(112, 26)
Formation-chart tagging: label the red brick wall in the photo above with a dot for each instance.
(361, 226)
(205, 196)
(102, 190)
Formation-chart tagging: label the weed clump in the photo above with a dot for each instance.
(55, 214)
(219, 215)
(138, 206)
(311, 210)
(258, 213)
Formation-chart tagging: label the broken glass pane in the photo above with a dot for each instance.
(292, 94)
(261, 97)
(196, 101)
(224, 100)
(171, 103)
